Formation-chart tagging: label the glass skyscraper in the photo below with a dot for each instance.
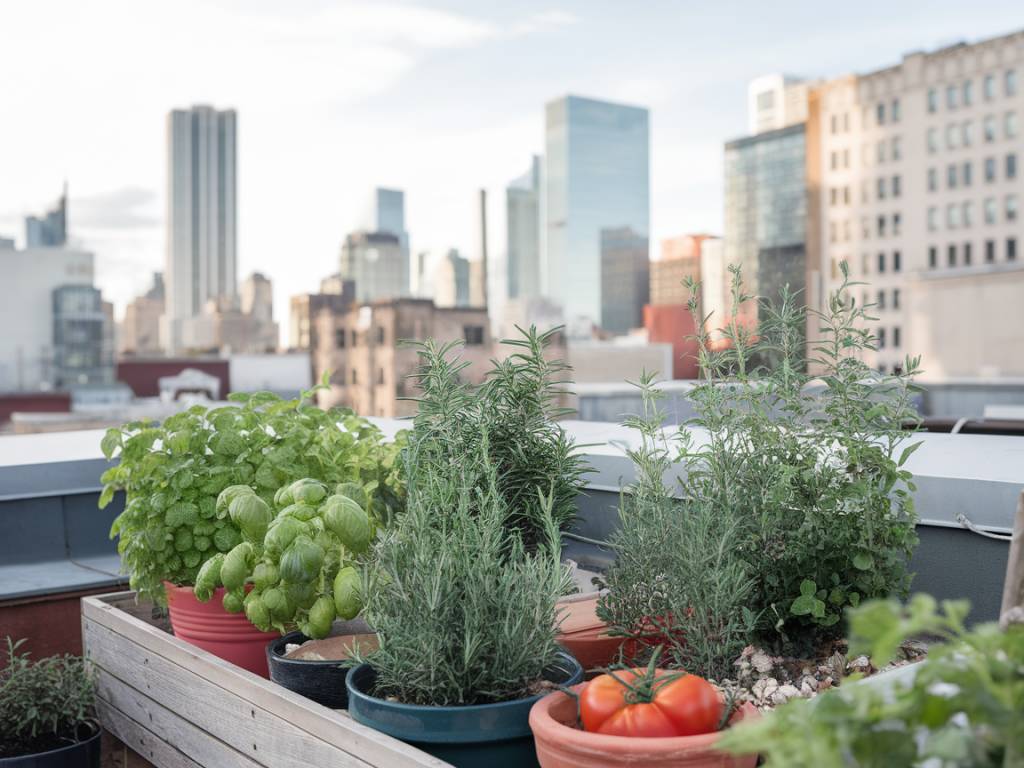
(51, 229)
(386, 215)
(522, 211)
(596, 178)
(766, 212)
(625, 279)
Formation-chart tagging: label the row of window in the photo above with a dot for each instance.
(473, 335)
(962, 95)
(962, 256)
(882, 340)
(882, 299)
(963, 176)
(962, 134)
(962, 214)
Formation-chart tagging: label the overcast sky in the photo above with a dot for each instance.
(438, 98)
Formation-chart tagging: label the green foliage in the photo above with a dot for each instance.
(676, 575)
(806, 453)
(303, 566)
(465, 615)
(516, 407)
(174, 473)
(42, 703)
(963, 708)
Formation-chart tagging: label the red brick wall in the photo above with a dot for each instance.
(673, 323)
(143, 376)
(33, 402)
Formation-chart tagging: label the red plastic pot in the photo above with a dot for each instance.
(584, 635)
(561, 745)
(229, 636)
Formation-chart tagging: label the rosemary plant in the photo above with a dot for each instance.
(465, 615)
(677, 577)
(517, 407)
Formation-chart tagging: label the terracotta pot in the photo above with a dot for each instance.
(561, 745)
(584, 635)
(208, 626)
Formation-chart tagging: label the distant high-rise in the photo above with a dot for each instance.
(140, 330)
(522, 245)
(625, 279)
(201, 214)
(377, 262)
(386, 214)
(258, 297)
(51, 229)
(451, 281)
(776, 101)
(596, 177)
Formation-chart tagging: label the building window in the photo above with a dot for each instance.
(897, 261)
(952, 136)
(355, 338)
(933, 100)
(881, 338)
(933, 218)
(951, 93)
(1010, 211)
(380, 375)
(1011, 249)
(990, 210)
(881, 263)
(846, 158)
(339, 338)
(897, 149)
(1010, 82)
(895, 110)
(951, 255)
(896, 221)
(880, 114)
(380, 334)
(1010, 125)
(880, 300)
(951, 176)
(988, 87)
(990, 169)
(880, 152)
(865, 266)
(967, 254)
(835, 124)
(933, 180)
(952, 216)
(967, 133)
(881, 226)
(846, 195)
(1011, 166)
(895, 298)
(880, 188)
(988, 128)
(355, 376)
(990, 251)
(895, 186)
(933, 139)
(865, 228)
(967, 213)
(967, 95)
(966, 174)
(896, 337)
(846, 121)
(933, 256)
(833, 160)
(473, 334)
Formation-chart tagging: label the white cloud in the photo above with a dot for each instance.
(544, 20)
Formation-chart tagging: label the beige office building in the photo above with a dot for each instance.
(914, 180)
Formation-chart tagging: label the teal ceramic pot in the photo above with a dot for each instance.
(490, 735)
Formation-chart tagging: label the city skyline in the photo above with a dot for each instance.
(432, 67)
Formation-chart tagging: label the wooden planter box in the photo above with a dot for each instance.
(180, 707)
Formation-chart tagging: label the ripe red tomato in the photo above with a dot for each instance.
(646, 702)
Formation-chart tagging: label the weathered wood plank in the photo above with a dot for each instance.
(268, 739)
(359, 741)
(173, 725)
(142, 740)
(1012, 611)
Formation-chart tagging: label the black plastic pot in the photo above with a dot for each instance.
(321, 681)
(84, 754)
(491, 735)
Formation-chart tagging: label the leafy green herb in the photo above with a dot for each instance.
(963, 708)
(174, 473)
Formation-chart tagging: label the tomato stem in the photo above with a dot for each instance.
(644, 687)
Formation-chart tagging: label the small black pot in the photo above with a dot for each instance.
(84, 754)
(320, 681)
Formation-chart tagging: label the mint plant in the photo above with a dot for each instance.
(173, 473)
(963, 707)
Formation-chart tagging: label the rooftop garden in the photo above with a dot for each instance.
(757, 604)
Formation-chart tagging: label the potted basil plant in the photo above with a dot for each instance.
(465, 617)
(47, 712)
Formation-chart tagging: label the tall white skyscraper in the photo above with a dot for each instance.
(201, 215)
